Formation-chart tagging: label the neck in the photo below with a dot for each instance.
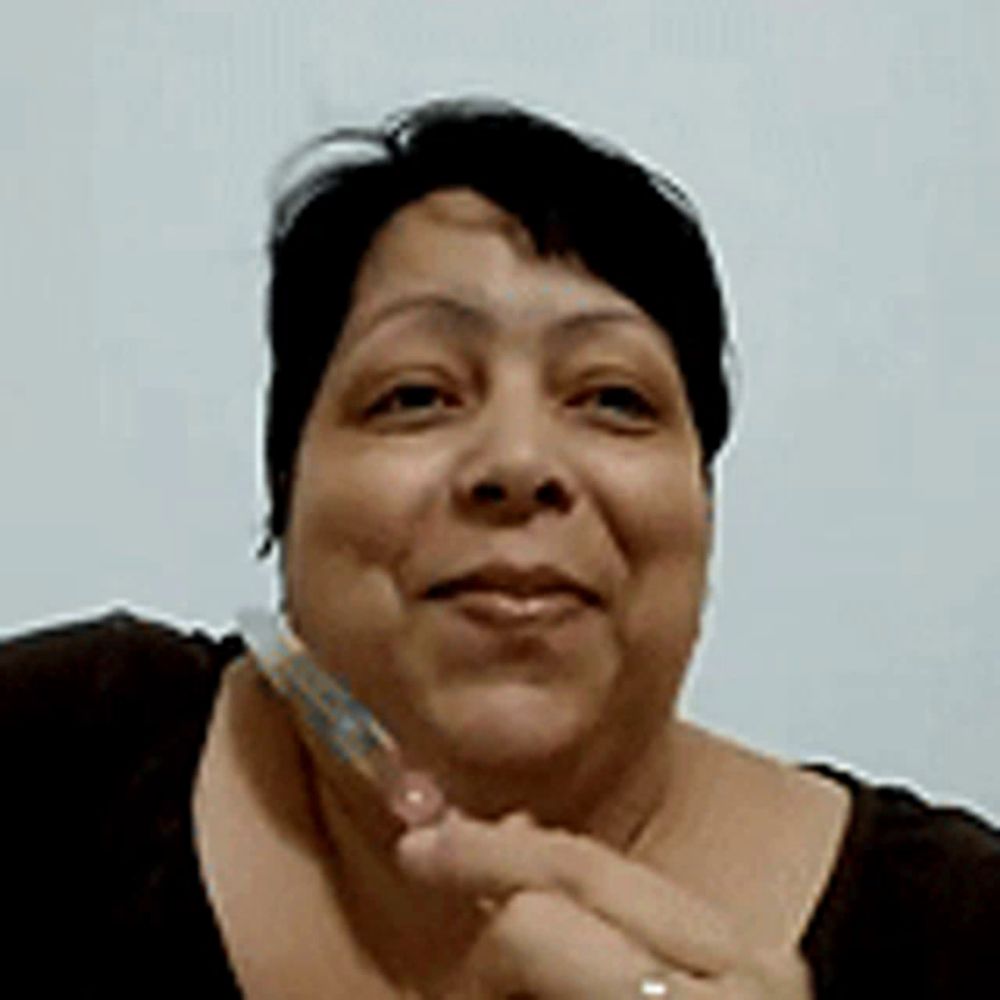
(610, 796)
(630, 796)
(385, 908)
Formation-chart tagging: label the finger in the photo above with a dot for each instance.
(542, 945)
(498, 859)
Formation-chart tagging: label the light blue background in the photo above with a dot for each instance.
(846, 155)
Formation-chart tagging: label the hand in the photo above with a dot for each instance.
(567, 918)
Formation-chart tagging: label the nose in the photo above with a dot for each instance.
(513, 474)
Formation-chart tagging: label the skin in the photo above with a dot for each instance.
(576, 919)
(487, 405)
(467, 360)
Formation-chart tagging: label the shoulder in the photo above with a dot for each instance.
(84, 705)
(916, 893)
(897, 832)
(89, 670)
(101, 725)
(83, 701)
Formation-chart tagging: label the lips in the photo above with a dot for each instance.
(502, 594)
(523, 583)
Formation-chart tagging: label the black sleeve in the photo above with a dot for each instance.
(101, 724)
(54, 760)
(914, 909)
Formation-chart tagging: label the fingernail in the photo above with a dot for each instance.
(416, 800)
(418, 849)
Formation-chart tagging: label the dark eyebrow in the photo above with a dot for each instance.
(463, 317)
(455, 310)
(599, 317)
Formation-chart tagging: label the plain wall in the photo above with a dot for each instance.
(845, 157)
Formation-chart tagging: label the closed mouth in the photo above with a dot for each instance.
(522, 583)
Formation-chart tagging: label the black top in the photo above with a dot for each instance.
(101, 728)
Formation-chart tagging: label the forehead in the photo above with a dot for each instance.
(457, 244)
(458, 215)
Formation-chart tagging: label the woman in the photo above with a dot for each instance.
(496, 398)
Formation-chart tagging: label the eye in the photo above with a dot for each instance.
(619, 404)
(412, 402)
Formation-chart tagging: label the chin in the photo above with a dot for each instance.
(512, 726)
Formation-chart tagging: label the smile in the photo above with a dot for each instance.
(504, 595)
(501, 608)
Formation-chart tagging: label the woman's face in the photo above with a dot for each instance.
(499, 527)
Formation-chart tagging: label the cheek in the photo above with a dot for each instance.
(341, 596)
(657, 510)
(664, 535)
(361, 504)
(354, 521)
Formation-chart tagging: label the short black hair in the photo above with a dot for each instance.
(574, 195)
